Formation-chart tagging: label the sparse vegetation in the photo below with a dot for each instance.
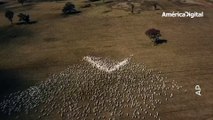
(9, 15)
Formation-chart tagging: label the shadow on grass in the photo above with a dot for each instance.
(50, 0)
(94, 0)
(71, 13)
(10, 81)
(26, 23)
(1, 3)
(110, 1)
(8, 34)
(107, 11)
(160, 41)
(25, 7)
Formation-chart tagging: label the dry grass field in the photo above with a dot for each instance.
(30, 53)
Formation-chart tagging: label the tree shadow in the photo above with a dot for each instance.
(107, 11)
(19, 7)
(26, 23)
(9, 34)
(1, 3)
(110, 1)
(86, 5)
(72, 13)
(94, 0)
(160, 41)
(50, 0)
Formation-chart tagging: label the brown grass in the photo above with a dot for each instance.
(49, 46)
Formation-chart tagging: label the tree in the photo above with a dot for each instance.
(132, 7)
(24, 18)
(153, 34)
(9, 15)
(155, 6)
(69, 8)
(22, 2)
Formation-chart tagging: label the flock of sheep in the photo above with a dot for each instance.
(84, 92)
